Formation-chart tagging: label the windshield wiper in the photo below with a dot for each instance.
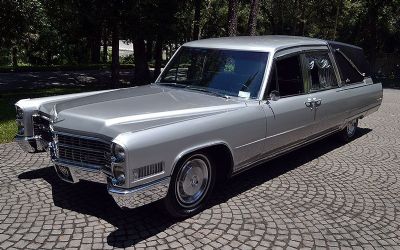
(207, 91)
(172, 84)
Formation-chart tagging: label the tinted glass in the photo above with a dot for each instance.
(290, 80)
(348, 73)
(320, 72)
(354, 53)
(235, 73)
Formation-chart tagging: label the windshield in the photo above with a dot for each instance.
(228, 72)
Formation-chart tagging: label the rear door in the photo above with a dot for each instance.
(357, 86)
(290, 118)
(321, 80)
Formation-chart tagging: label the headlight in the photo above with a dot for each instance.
(118, 152)
(20, 112)
(119, 175)
(118, 164)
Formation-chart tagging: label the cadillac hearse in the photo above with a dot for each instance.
(219, 107)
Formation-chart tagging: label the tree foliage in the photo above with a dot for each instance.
(45, 32)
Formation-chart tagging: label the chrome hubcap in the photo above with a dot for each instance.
(351, 128)
(193, 181)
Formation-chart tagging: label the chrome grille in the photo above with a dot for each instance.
(83, 150)
(41, 127)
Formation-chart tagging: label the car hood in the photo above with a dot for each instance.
(133, 109)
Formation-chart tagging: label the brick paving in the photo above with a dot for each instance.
(324, 195)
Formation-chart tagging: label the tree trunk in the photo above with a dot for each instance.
(149, 50)
(372, 28)
(336, 20)
(196, 23)
(158, 56)
(232, 17)
(252, 24)
(142, 73)
(282, 16)
(14, 56)
(295, 18)
(302, 27)
(105, 48)
(115, 57)
(95, 48)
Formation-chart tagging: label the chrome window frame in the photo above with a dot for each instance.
(283, 53)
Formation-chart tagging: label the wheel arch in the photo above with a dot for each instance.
(219, 148)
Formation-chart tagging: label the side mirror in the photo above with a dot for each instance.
(274, 95)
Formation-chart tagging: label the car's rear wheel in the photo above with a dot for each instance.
(349, 131)
(191, 186)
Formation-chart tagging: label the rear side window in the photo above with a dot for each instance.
(320, 74)
(348, 73)
(288, 76)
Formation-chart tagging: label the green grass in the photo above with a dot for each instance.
(8, 127)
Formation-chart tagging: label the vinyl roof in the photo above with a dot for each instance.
(258, 43)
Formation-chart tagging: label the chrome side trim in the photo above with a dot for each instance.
(140, 195)
(148, 171)
(282, 151)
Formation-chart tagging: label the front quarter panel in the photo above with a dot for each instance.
(241, 130)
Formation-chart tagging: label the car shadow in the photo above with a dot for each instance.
(138, 224)
(262, 173)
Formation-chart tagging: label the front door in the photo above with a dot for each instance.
(290, 117)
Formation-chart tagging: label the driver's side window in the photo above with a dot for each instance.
(287, 77)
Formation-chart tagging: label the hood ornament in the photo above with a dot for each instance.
(54, 115)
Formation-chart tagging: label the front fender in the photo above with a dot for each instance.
(168, 144)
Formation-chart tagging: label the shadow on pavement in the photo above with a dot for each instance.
(141, 223)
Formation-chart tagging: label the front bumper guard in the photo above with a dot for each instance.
(74, 174)
(141, 195)
(32, 144)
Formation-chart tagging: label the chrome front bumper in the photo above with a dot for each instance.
(141, 195)
(30, 144)
(78, 173)
(125, 198)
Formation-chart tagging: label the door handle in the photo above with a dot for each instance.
(309, 103)
(317, 102)
(313, 103)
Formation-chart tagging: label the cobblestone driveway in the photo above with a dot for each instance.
(325, 195)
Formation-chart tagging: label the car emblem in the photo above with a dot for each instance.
(54, 115)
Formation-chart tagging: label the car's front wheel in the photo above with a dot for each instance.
(191, 185)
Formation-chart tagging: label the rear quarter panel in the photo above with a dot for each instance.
(362, 99)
